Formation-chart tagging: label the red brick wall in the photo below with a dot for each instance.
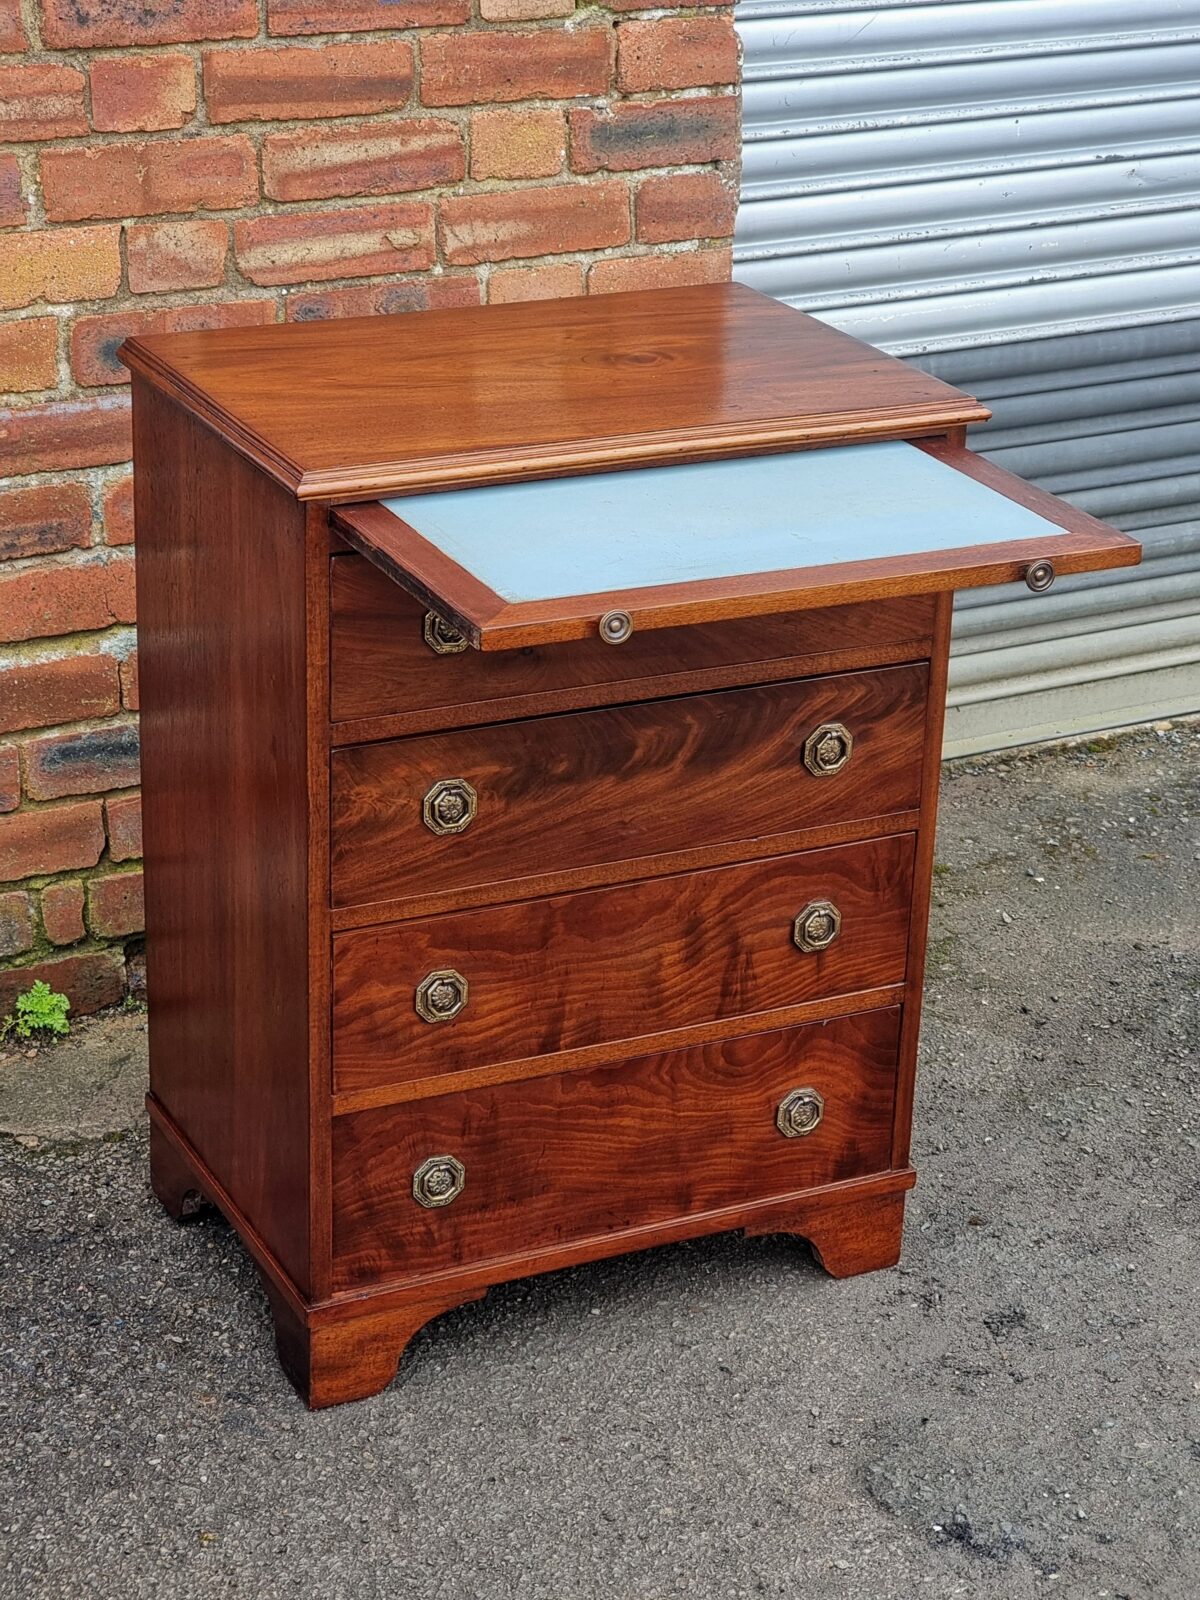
(191, 163)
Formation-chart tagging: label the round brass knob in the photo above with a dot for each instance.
(799, 1113)
(828, 748)
(442, 637)
(615, 627)
(441, 996)
(437, 1181)
(450, 806)
(1039, 575)
(817, 926)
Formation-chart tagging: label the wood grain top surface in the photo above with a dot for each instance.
(372, 405)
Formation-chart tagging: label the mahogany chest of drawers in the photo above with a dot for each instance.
(541, 721)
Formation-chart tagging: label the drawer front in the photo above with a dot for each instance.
(380, 662)
(576, 970)
(581, 1155)
(555, 793)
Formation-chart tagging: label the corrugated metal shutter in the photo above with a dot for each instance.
(1008, 193)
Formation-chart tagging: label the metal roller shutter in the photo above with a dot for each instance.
(1007, 192)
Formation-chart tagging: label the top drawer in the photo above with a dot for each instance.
(380, 662)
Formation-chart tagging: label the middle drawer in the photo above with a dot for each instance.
(472, 989)
(494, 805)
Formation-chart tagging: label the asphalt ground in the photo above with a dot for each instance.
(1014, 1411)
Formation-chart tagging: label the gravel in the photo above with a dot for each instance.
(1013, 1412)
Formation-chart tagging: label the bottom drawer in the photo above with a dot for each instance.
(547, 1161)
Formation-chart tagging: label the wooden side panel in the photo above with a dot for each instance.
(380, 662)
(557, 793)
(222, 655)
(585, 1154)
(931, 769)
(574, 970)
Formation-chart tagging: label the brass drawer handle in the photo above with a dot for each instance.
(615, 627)
(828, 748)
(450, 806)
(441, 996)
(817, 926)
(442, 637)
(1039, 576)
(799, 1113)
(437, 1181)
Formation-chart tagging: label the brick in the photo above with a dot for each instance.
(44, 521)
(661, 5)
(363, 16)
(534, 222)
(116, 905)
(59, 265)
(129, 682)
(90, 982)
(13, 38)
(13, 210)
(660, 272)
(65, 433)
(676, 53)
(29, 355)
(48, 601)
(331, 80)
(10, 777)
(655, 133)
(135, 974)
(132, 94)
(123, 816)
(386, 299)
(50, 839)
(62, 912)
(176, 255)
(140, 178)
(518, 144)
(41, 102)
(685, 205)
(372, 158)
(87, 762)
(68, 24)
(16, 923)
(462, 69)
(524, 10)
(556, 280)
(96, 340)
(117, 506)
(369, 241)
(42, 693)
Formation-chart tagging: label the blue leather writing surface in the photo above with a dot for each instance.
(718, 519)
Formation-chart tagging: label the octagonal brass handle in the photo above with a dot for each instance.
(799, 1113)
(442, 637)
(817, 926)
(828, 748)
(441, 996)
(437, 1181)
(450, 806)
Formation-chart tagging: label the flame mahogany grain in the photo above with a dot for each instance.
(585, 1154)
(622, 783)
(556, 975)
(557, 793)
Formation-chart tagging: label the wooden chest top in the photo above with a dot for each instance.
(372, 405)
